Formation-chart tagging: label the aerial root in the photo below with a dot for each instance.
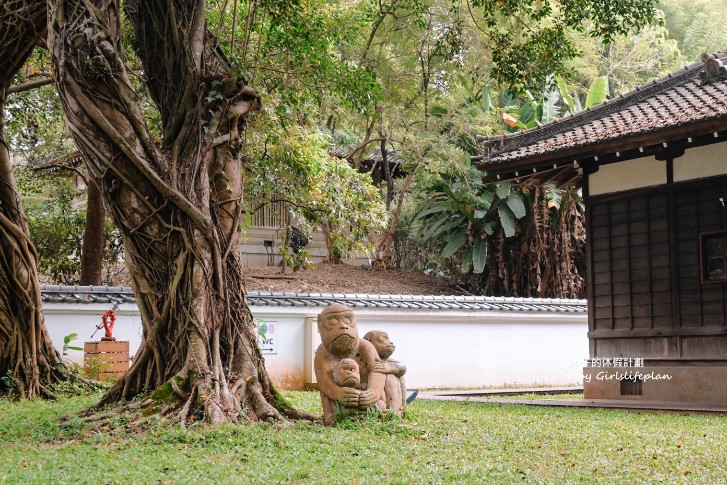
(175, 387)
(214, 414)
(184, 413)
(298, 415)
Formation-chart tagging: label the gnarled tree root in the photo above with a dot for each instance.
(187, 398)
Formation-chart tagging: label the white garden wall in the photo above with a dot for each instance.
(442, 348)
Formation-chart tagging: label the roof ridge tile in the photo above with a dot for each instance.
(514, 146)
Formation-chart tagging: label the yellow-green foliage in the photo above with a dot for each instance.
(326, 193)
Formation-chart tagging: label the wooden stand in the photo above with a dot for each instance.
(106, 360)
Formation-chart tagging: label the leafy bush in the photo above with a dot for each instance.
(325, 193)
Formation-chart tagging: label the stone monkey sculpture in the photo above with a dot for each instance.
(395, 386)
(346, 373)
(339, 341)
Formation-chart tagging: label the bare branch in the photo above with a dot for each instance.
(287, 201)
(28, 86)
(362, 146)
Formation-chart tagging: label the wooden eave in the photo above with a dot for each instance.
(566, 166)
(65, 164)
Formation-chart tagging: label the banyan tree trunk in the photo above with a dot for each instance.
(94, 239)
(177, 201)
(28, 362)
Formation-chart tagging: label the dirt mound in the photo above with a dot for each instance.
(326, 278)
(344, 278)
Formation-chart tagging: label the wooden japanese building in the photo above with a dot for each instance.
(652, 165)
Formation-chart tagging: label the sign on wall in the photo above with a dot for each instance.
(267, 336)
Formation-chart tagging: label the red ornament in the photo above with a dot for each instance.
(108, 319)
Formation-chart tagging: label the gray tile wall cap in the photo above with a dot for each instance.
(118, 294)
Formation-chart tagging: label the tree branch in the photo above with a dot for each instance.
(60, 166)
(362, 146)
(287, 201)
(28, 86)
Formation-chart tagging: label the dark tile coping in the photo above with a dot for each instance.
(118, 294)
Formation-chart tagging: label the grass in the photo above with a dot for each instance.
(438, 442)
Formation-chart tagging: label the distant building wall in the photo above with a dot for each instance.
(261, 247)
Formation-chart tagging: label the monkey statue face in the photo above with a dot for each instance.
(339, 333)
(384, 346)
(346, 373)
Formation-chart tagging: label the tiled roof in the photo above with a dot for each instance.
(677, 100)
(87, 294)
(69, 161)
(416, 301)
(105, 294)
(377, 157)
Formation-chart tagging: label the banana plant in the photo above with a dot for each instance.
(532, 111)
(551, 105)
(597, 94)
(460, 213)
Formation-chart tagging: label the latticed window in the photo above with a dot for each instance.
(714, 257)
(272, 215)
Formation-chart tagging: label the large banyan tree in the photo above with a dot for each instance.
(28, 362)
(176, 198)
(175, 191)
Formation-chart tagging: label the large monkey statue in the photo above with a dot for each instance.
(339, 341)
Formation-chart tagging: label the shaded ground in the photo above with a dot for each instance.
(344, 278)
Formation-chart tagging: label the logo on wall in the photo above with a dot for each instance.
(267, 336)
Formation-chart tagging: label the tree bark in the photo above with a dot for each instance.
(382, 255)
(387, 171)
(94, 239)
(177, 204)
(27, 355)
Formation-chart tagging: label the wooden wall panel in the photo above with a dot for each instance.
(704, 347)
(699, 210)
(646, 296)
(631, 260)
(652, 347)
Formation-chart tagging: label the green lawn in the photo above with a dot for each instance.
(438, 442)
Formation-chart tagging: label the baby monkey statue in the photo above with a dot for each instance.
(354, 372)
